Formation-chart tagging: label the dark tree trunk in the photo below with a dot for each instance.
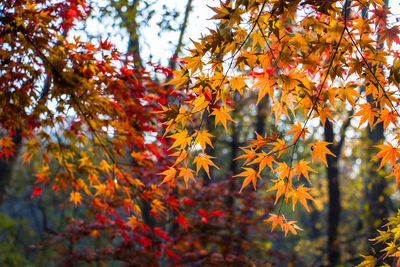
(334, 208)
(261, 116)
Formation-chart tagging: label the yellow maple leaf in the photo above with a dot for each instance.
(237, 84)
(194, 63)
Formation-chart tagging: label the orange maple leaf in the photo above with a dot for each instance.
(367, 112)
(251, 176)
(275, 220)
(263, 159)
(303, 168)
(297, 131)
(182, 139)
(285, 171)
(221, 115)
(279, 147)
(262, 141)
(204, 161)
(387, 153)
(249, 155)
(396, 173)
(265, 85)
(291, 226)
(202, 137)
(320, 150)
(170, 175)
(387, 117)
(187, 174)
(301, 195)
(75, 197)
(282, 188)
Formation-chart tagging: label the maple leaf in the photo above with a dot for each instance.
(194, 63)
(182, 221)
(37, 191)
(238, 83)
(387, 153)
(265, 85)
(202, 137)
(262, 141)
(387, 117)
(282, 187)
(251, 176)
(279, 147)
(204, 161)
(367, 112)
(285, 171)
(186, 174)
(170, 175)
(181, 155)
(275, 220)
(389, 35)
(369, 261)
(7, 147)
(264, 160)
(76, 198)
(301, 195)
(320, 150)
(348, 93)
(291, 226)
(302, 167)
(278, 108)
(181, 79)
(291, 79)
(297, 131)
(396, 173)
(221, 115)
(182, 139)
(249, 155)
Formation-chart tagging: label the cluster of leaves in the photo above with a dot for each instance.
(312, 59)
(90, 116)
(390, 238)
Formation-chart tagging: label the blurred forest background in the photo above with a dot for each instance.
(225, 227)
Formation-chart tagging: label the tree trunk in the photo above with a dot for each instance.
(334, 207)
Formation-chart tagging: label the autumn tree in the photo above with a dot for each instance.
(315, 59)
(82, 108)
